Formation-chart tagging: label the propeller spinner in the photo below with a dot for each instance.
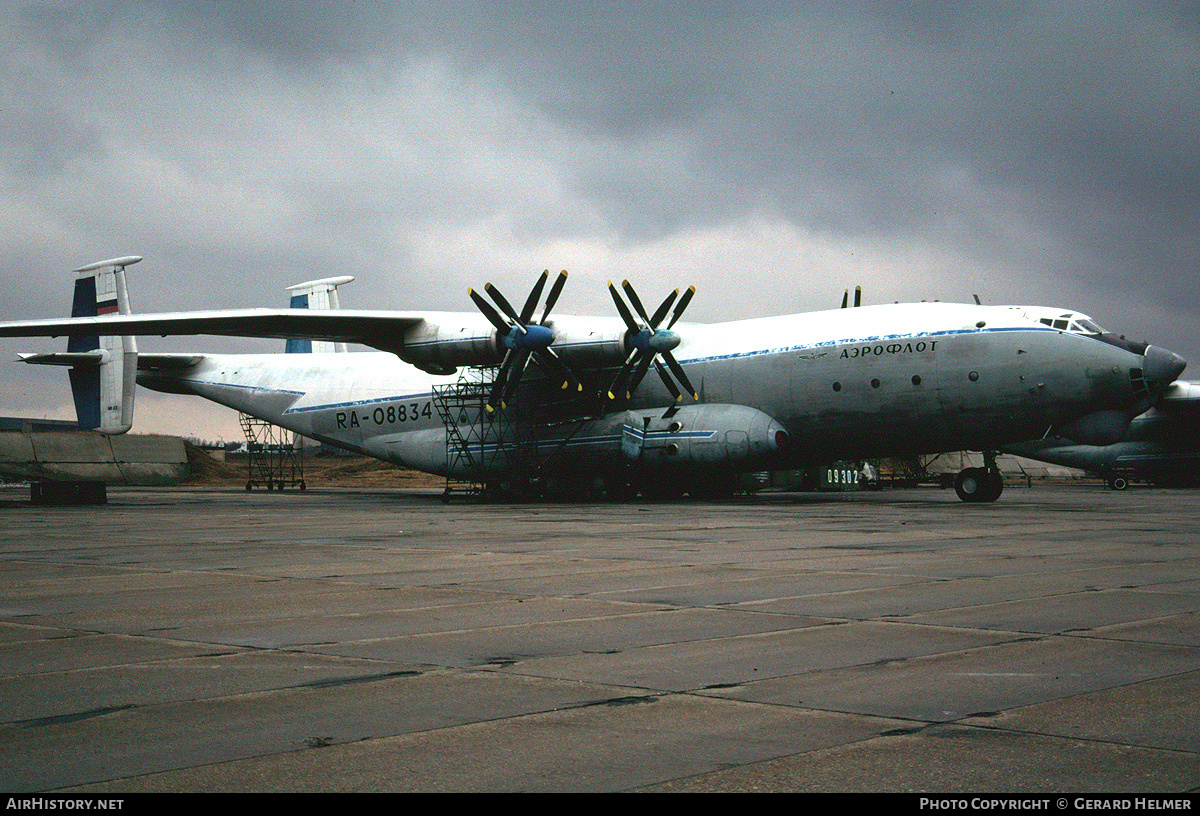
(649, 342)
(521, 338)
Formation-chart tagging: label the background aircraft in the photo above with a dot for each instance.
(1162, 446)
(567, 400)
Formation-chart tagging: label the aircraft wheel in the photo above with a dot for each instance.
(995, 486)
(979, 485)
(968, 484)
(1118, 482)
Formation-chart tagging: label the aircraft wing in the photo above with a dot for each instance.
(436, 342)
(378, 329)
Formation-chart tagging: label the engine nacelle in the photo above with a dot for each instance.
(585, 347)
(440, 348)
(731, 437)
(694, 438)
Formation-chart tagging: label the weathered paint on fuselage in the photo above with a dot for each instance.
(850, 383)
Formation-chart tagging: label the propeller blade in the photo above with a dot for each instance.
(857, 296)
(515, 374)
(661, 312)
(666, 378)
(491, 314)
(618, 385)
(504, 305)
(656, 345)
(533, 341)
(677, 370)
(622, 309)
(497, 392)
(535, 294)
(683, 302)
(642, 368)
(637, 303)
(846, 299)
(551, 361)
(555, 291)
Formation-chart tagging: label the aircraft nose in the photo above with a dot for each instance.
(1162, 367)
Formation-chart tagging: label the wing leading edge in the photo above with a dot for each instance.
(378, 329)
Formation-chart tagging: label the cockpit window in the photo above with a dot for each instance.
(1074, 326)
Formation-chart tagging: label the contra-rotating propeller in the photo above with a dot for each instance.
(523, 339)
(648, 341)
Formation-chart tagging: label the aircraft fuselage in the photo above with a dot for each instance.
(844, 384)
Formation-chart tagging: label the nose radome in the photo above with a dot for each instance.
(1162, 366)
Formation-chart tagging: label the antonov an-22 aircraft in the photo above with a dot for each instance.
(564, 401)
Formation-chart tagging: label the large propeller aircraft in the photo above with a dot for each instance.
(564, 400)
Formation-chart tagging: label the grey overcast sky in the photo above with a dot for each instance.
(772, 154)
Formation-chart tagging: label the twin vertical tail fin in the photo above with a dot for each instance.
(103, 369)
(317, 294)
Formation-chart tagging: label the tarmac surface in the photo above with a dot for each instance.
(378, 640)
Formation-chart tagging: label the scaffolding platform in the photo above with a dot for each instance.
(274, 460)
(475, 438)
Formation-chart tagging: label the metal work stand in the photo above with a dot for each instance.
(274, 460)
(475, 438)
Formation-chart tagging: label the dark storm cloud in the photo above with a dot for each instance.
(1024, 151)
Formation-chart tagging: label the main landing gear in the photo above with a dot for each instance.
(1117, 482)
(983, 484)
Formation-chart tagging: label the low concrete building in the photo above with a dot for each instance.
(75, 455)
